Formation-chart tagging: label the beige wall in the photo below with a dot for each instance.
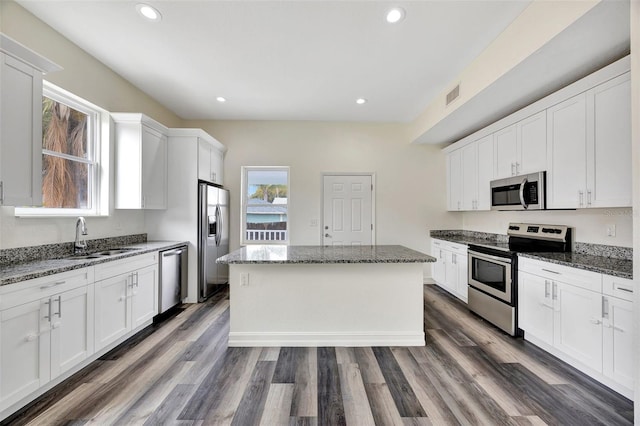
(590, 225)
(410, 199)
(88, 78)
(536, 26)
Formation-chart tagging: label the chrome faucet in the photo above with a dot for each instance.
(81, 228)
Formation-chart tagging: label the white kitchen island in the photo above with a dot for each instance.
(326, 296)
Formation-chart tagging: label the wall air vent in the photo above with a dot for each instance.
(453, 94)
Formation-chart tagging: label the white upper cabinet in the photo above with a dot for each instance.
(567, 153)
(589, 148)
(21, 123)
(469, 177)
(609, 144)
(141, 162)
(454, 180)
(485, 172)
(210, 162)
(469, 173)
(521, 147)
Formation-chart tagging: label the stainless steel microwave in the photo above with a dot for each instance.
(525, 192)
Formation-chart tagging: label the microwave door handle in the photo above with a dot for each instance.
(524, 204)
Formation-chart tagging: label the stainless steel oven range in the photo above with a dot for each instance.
(493, 270)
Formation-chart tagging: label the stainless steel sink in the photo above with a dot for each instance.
(101, 254)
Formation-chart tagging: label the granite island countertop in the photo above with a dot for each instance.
(22, 271)
(271, 254)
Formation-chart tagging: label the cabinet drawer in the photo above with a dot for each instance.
(573, 276)
(448, 245)
(122, 266)
(38, 288)
(617, 287)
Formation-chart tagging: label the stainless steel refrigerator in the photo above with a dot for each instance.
(213, 231)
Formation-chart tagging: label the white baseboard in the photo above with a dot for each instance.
(270, 339)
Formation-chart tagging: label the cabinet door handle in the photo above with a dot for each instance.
(546, 289)
(616, 328)
(551, 272)
(48, 303)
(555, 291)
(605, 307)
(580, 198)
(628, 290)
(1, 193)
(595, 321)
(517, 167)
(588, 197)
(513, 166)
(59, 306)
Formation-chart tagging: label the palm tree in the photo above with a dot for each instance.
(64, 132)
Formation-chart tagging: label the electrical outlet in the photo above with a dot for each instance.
(611, 230)
(244, 279)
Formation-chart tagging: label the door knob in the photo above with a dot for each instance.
(327, 235)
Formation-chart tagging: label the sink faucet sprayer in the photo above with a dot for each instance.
(81, 228)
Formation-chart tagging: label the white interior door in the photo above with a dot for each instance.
(348, 210)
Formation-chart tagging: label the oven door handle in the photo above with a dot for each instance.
(501, 260)
(524, 204)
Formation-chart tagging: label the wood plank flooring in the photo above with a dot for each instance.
(181, 372)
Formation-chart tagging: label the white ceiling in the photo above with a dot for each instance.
(284, 60)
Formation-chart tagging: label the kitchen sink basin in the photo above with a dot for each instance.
(101, 254)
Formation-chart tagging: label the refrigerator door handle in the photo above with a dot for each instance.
(219, 225)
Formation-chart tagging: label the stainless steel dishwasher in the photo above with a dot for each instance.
(173, 277)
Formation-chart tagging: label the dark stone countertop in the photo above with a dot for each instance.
(21, 271)
(622, 268)
(609, 265)
(277, 254)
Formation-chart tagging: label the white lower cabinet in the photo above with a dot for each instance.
(52, 326)
(450, 269)
(576, 316)
(46, 328)
(125, 301)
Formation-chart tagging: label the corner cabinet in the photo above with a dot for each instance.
(21, 123)
(141, 162)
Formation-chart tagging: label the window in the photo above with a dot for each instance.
(72, 182)
(265, 205)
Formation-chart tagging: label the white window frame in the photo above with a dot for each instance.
(97, 146)
(243, 205)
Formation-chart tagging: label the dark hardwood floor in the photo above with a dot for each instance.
(181, 372)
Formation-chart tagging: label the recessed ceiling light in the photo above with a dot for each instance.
(395, 14)
(361, 101)
(148, 12)
(221, 99)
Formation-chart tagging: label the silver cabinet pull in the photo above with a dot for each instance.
(605, 307)
(588, 197)
(551, 272)
(546, 289)
(628, 290)
(59, 306)
(513, 165)
(580, 198)
(555, 291)
(44, 287)
(48, 303)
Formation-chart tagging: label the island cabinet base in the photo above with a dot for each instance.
(373, 304)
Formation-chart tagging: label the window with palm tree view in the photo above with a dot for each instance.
(69, 154)
(265, 203)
